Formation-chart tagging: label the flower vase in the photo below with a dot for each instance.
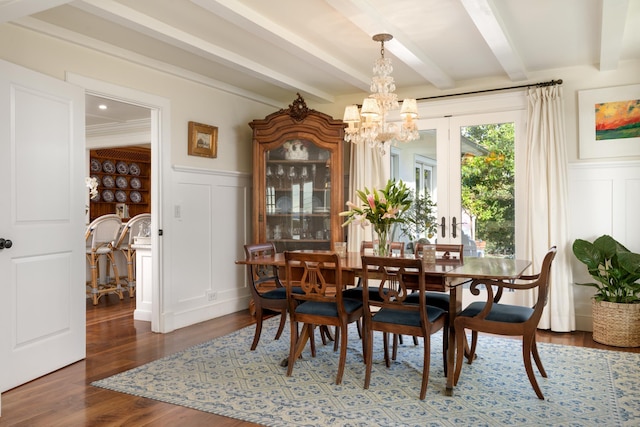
(380, 239)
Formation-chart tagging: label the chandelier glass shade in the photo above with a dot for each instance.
(369, 123)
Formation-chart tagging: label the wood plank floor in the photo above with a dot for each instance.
(115, 343)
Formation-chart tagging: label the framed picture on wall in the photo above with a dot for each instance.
(203, 140)
(609, 122)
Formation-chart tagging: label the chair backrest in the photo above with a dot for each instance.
(131, 229)
(366, 248)
(541, 281)
(395, 278)
(444, 251)
(261, 275)
(103, 231)
(319, 274)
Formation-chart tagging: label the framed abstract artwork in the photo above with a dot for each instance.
(609, 122)
(203, 140)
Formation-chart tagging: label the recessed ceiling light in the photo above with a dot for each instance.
(102, 107)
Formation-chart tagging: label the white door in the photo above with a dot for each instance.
(453, 142)
(42, 297)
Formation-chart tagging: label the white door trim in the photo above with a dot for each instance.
(160, 143)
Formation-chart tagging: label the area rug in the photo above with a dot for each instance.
(584, 386)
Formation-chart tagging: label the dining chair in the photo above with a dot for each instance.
(355, 292)
(444, 252)
(268, 293)
(100, 238)
(447, 252)
(503, 319)
(366, 248)
(124, 244)
(394, 315)
(319, 274)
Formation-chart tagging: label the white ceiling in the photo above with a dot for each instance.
(268, 50)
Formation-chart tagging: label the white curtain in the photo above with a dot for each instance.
(547, 202)
(369, 169)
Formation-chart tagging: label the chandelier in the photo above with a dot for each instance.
(369, 123)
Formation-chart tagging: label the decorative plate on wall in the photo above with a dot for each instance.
(135, 197)
(107, 196)
(122, 168)
(96, 166)
(134, 169)
(108, 166)
(121, 182)
(135, 183)
(108, 181)
(121, 196)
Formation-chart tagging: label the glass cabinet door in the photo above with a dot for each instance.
(298, 196)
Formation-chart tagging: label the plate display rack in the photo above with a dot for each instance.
(124, 178)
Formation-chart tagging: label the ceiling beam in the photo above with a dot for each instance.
(614, 16)
(366, 17)
(135, 58)
(485, 16)
(144, 24)
(16, 9)
(257, 24)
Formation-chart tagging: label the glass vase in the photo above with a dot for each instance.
(380, 239)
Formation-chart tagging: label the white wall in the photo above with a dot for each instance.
(213, 194)
(604, 199)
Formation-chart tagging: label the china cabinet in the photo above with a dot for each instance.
(297, 178)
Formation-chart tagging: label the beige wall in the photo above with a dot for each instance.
(189, 101)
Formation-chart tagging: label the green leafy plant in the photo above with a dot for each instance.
(420, 218)
(615, 269)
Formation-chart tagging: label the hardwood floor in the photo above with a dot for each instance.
(115, 343)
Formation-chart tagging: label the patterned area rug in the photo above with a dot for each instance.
(585, 386)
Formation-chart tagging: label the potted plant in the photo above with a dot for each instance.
(616, 304)
(420, 219)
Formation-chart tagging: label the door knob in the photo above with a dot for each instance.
(5, 244)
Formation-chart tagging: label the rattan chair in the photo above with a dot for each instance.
(100, 236)
(124, 245)
(504, 319)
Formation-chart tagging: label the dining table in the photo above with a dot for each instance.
(445, 275)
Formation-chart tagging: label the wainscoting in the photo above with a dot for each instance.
(604, 199)
(210, 222)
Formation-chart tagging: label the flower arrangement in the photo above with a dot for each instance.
(380, 209)
(92, 185)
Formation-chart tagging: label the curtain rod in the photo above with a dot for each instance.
(541, 84)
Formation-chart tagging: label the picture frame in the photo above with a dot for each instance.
(609, 122)
(203, 140)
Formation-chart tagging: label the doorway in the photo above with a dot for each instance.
(118, 153)
(160, 142)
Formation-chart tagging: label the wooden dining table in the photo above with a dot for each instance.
(446, 275)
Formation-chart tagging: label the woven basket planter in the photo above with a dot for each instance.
(616, 324)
